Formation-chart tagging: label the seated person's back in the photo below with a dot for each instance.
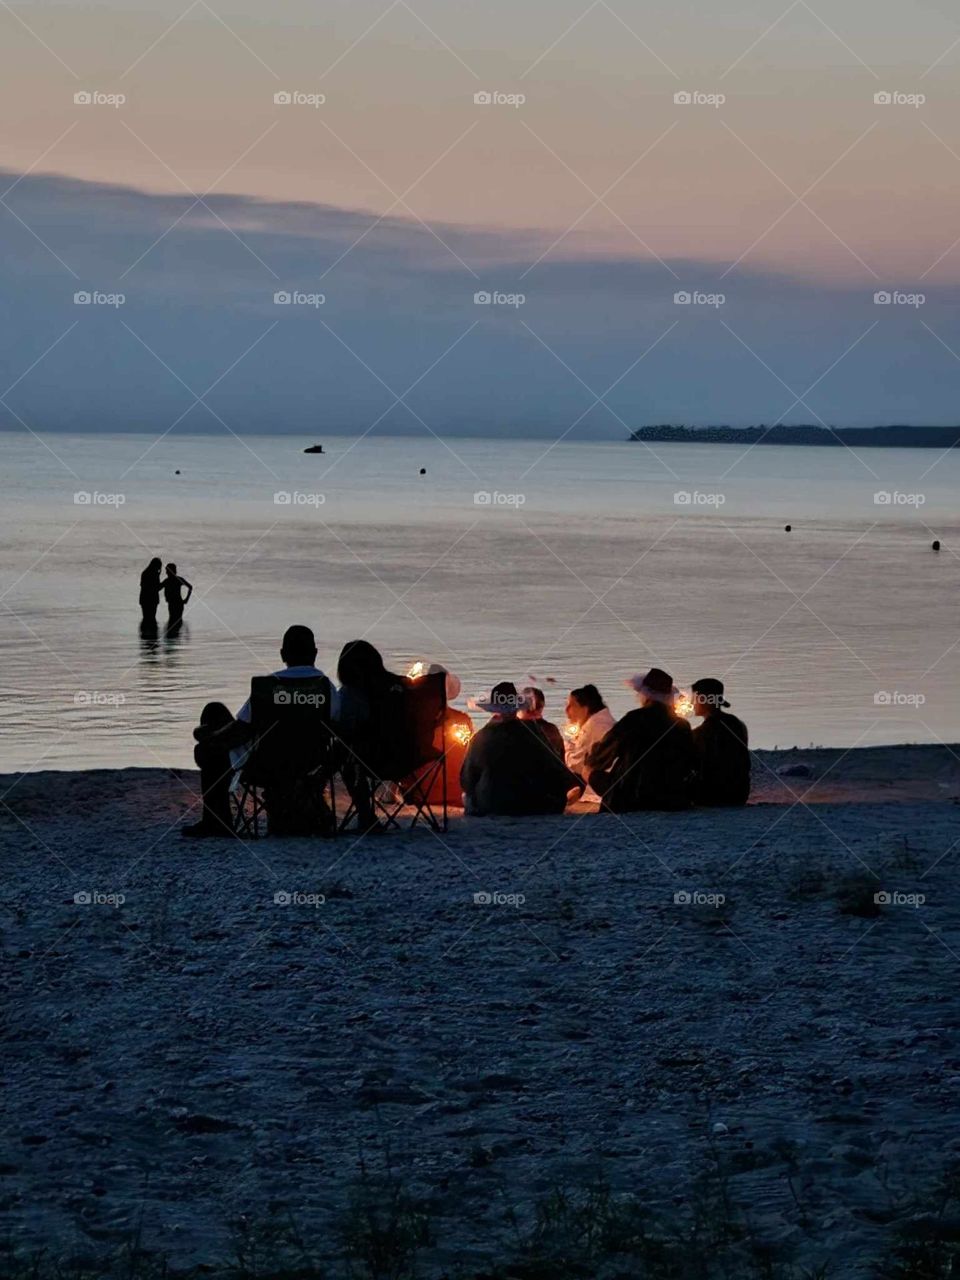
(510, 768)
(722, 747)
(646, 761)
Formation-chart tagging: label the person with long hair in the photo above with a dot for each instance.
(150, 591)
(369, 723)
(590, 720)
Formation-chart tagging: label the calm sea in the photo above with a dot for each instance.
(507, 559)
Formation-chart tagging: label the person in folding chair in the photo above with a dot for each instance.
(510, 769)
(223, 742)
(369, 726)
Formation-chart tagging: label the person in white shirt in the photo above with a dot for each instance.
(222, 739)
(591, 720)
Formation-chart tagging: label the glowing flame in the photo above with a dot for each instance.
(417, 670)
(461, 733)
(683, 705)
(571, 732)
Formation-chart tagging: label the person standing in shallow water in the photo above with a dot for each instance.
(173, 586)
(150, 591)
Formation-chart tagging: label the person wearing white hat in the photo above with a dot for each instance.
(509, 767)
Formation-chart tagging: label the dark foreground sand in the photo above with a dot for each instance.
(204, 1051)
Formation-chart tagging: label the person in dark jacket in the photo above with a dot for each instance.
(722, 746)
(509, 768)
(646, 761)
(532, 714)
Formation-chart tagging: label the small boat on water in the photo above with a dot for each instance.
(314, 448)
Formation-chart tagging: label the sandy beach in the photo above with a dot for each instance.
(655, 1000)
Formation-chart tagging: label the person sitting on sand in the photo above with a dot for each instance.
(591, 720)
(646, 761)
(722, 747)
(221, 739)
(532, 714)
(509, 769)
(173, 586)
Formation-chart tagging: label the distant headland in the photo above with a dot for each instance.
(896, 437)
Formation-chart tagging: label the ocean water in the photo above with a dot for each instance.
(507, 559)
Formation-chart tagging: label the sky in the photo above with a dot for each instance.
(589, 199)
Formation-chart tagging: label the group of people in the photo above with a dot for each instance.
(152, 583)
(518, 762)
(651, 758)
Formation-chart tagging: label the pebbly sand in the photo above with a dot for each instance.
(203, 1052)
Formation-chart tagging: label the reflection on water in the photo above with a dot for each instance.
(831, 634)
(162, 641)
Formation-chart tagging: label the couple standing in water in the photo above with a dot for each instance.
(172, 587)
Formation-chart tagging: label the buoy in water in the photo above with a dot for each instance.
(423, 471)
(935, 544)
(788, 528)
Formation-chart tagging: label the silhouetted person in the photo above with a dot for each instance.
(221, 739)
(646, 761)
(216, 734)
(509, 768)
(150, 591)
(532, 714)
(371, 704)
(173, 586)
(722, 747)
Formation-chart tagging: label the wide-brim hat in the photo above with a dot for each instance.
(504, 700)
(656, 685)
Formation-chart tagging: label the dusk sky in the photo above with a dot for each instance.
(795, 196)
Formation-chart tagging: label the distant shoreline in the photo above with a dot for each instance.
(898, 437)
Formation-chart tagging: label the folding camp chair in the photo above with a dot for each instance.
(288, 773)
(406, 756)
